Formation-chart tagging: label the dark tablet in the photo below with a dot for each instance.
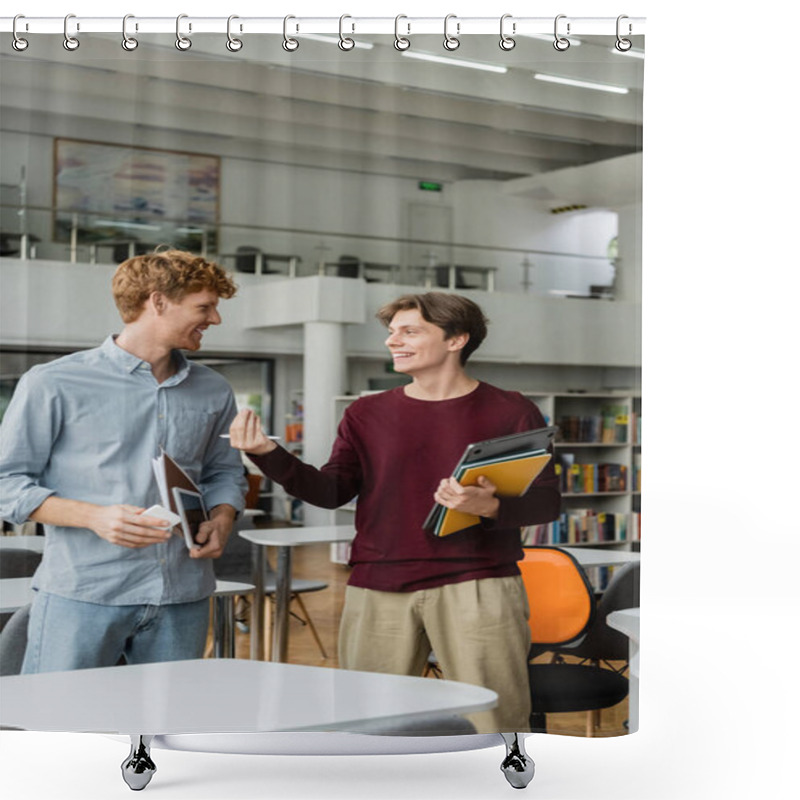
(532, 441)
(192, 512)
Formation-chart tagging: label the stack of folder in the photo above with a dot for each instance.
(512, 473)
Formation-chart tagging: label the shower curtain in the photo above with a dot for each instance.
(331, 170)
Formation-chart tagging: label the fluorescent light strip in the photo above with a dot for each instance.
(334, 40)
(600, 87)
(547, 38)
(455, 62)
(629, 53)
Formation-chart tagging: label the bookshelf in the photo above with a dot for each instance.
(598, 459)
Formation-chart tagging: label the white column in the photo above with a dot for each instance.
(324, 377)
(628, 275)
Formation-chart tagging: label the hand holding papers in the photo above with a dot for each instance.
(511, 463)
(174, 483)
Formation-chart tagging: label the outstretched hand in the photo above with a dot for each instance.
(479, 500)
(246, 434)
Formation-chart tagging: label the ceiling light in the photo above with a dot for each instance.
(455, 62)
(335, 40)
(548, 38)
(601, 87)
(630, 53)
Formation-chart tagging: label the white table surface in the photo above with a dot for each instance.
(601, 557)
(33, 543)
(16, 592)
(225, 695)
(295, 537)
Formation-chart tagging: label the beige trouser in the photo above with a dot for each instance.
(477, 629)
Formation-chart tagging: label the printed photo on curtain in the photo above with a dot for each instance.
(321, 380)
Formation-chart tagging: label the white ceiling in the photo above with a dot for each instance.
(372, 111)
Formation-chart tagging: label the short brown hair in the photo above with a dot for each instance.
(174, 273)
(452, 313)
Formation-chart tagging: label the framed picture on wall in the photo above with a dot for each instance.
(139, 197)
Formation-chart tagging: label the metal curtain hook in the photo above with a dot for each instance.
(233, 44)
(129, 43)
(289, 44)
(561, 44)
(70, 42)
(506, 42)
(623, 45)
(18, 43)
(401, 42)
(345, 42)
(451, 42)
(182, 42)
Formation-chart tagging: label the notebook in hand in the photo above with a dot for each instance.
(170, 476)
(512, 463)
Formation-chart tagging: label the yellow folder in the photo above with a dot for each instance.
(512, 477)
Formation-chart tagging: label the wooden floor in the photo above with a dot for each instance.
(324, 608)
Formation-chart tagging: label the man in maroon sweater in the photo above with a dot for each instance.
(410, 592)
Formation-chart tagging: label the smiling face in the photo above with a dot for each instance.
(184, 322)
(418, 346)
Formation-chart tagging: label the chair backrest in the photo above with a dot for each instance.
(17, 562)
(603, 643)
(559, 594)
(348, 267)
(13, 640)
(245, 259)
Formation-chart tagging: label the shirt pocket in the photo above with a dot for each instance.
(190, 433)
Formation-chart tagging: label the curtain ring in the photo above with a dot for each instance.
(345, 42)
(233, 44)
(560, 43)
(506, 42)
(70, 42)
(182, 42)
(451, 42)
(129, 43)
(623, 45)
(289, 44)
(18, 43)
(401, 42)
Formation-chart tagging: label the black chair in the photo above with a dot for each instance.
(17, 563)
(13, 640)
(246, 259)
(123, 251)
(352, 267)
(560, 687)
(443, 278)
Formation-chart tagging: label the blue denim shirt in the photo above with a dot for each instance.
(86, 427)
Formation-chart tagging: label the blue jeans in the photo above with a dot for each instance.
(68, 634)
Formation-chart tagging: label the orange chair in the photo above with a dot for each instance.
(562, 611)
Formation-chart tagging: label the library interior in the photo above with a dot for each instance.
(328, 184)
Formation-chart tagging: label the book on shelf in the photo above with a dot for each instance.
(590, 478)
(583, 526)
(610, 426)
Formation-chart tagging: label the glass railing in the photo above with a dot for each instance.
(36, 232)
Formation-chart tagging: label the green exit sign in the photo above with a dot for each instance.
(430, 186)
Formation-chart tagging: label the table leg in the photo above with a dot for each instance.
(283, 590)
(257, 607)
(224, 627)
(138, 768)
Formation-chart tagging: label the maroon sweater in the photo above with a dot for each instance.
(391, 451)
